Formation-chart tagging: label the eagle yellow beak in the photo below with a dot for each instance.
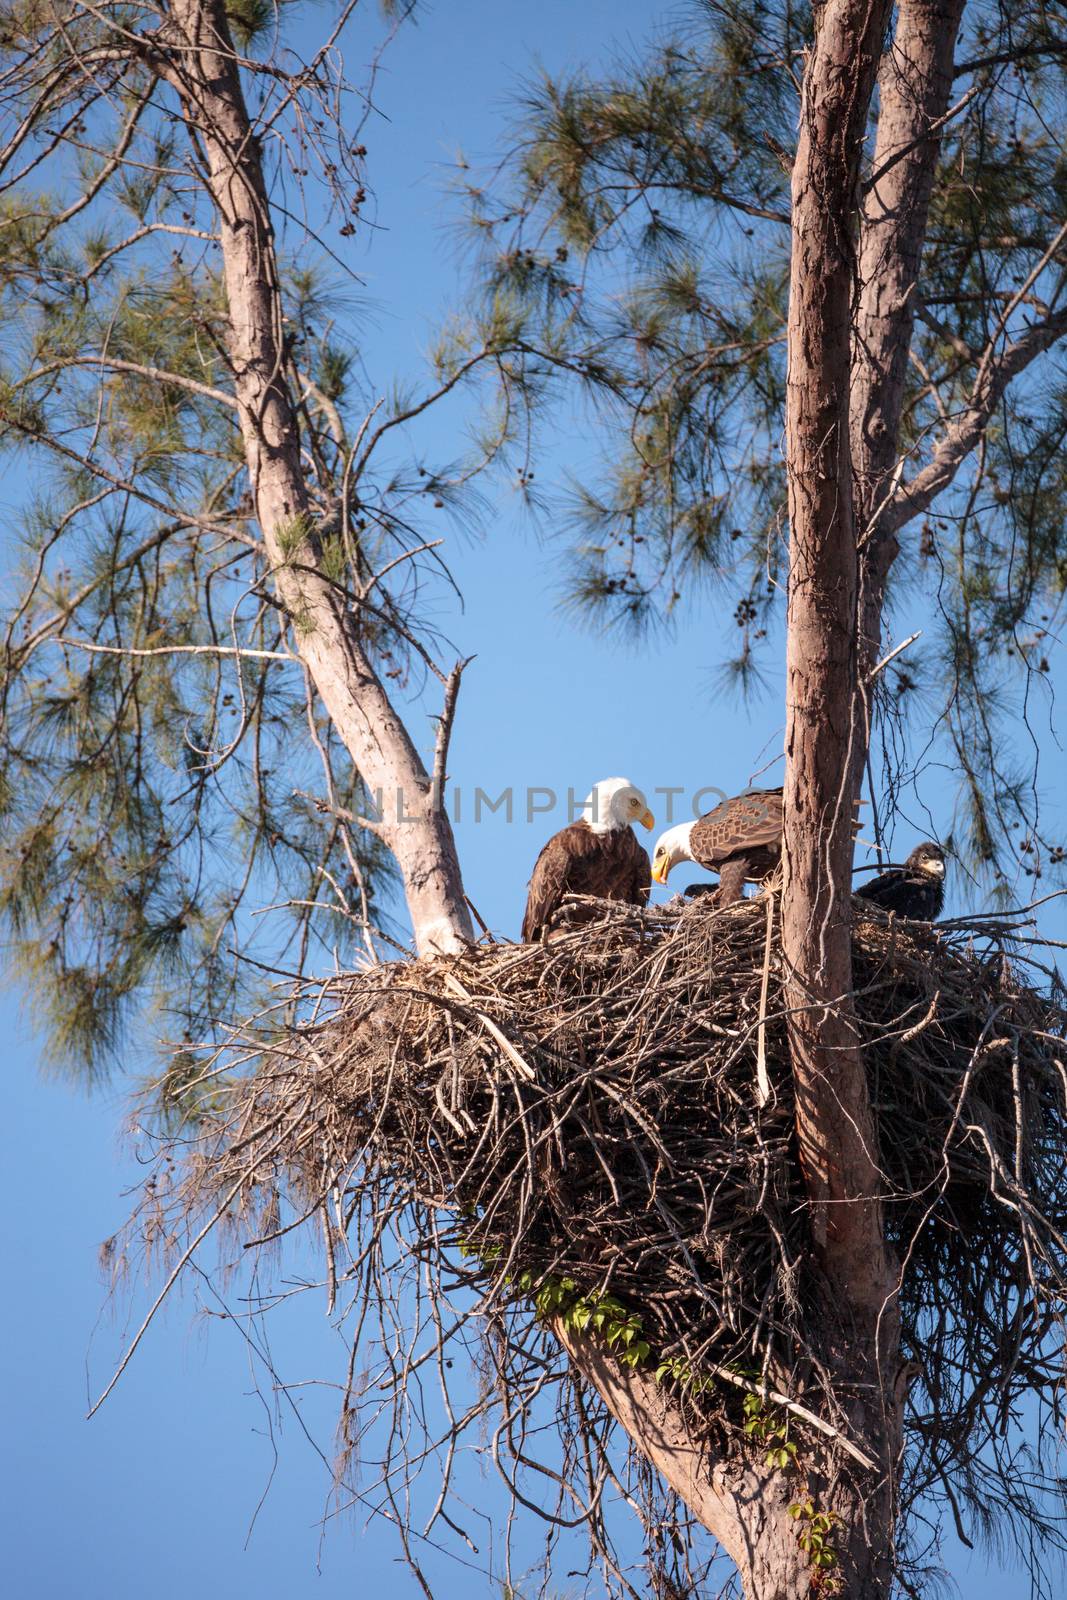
(647, 820)
(660, 871)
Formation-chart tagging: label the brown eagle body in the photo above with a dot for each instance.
(580, 860)
(916, 890)
(741, 840)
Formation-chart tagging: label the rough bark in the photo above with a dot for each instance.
(915, 83)
(196, 56)
(834, 1122)
(824, 734)
(746, 1509)
(730, 1490)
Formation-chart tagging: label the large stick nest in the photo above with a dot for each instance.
(585, 1112)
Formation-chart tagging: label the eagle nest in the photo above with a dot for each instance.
(574, 1128)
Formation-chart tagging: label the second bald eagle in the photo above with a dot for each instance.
(741, 840)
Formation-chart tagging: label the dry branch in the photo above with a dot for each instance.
(586, 1113)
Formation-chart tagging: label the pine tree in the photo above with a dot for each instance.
(645, 221)
(217, 553)
(224, 545)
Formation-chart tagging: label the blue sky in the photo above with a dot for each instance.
(158, 1491)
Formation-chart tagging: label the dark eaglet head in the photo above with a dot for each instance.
(929, 858)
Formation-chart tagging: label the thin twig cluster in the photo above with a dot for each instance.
(488, 1140)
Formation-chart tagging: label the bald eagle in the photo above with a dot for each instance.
(916, 890)
(741, 840)
(596, 855)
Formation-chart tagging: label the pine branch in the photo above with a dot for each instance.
(965, 433)
(175, 380)
(243, 652)
(143, 233)
(184, 518)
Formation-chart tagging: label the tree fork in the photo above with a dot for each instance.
(196, 57)
(743, 1502)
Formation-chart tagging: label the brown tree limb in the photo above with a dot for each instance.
(824, 728)
(825, 748)
(198, 61)
(915, 83)
(968, 428)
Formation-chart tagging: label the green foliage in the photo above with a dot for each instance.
(601, 1315)
(250, 20)
(816, 1533)
(156, 730)
(643, 229)
(768, 1427)
(293, 535)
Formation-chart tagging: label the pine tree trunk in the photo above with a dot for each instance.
(197, 59)
(915, 83)
(850, 323)
(825, 732)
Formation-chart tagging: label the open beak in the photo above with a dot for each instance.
(647, 820)
(660, 871)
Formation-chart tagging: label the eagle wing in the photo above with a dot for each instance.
(641, 880)
(884, 889)
(745, 823)
(578, 861)
(909, 894)
(549, 882)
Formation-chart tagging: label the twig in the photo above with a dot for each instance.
(521, 1067)
(810, 1417)
(186, 1256)
(479, 919)
(893, 654)
(444, 733)
(763, 1082)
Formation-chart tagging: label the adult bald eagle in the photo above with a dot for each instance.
(595, 855)
(741, 840)
(916, 890)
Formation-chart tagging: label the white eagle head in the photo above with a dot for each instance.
(614, 803)
(672, 847)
